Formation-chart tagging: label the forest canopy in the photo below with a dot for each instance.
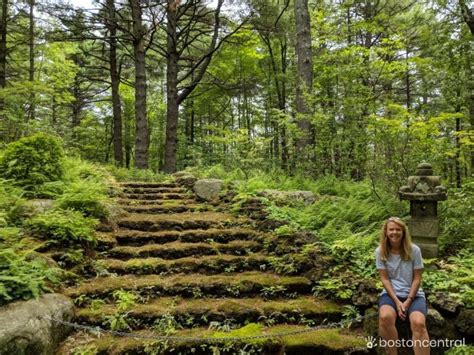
(356, 89)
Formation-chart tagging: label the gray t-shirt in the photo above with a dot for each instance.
(400, 272)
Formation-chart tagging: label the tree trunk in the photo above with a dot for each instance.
(141, 121)
(304, 74)
(115, 82)
(31, 47)
(171, 91)
(77, 103)
(471, 104)
(468, 16)
(3, 54)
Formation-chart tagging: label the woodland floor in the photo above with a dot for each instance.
(195, 268)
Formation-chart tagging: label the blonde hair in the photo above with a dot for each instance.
(406, 246)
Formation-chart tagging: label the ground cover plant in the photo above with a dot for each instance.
(37, 166)
(345, 221)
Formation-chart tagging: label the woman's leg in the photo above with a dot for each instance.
(421, 339)
(387, 328)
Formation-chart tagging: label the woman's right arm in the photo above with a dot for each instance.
(387, 284)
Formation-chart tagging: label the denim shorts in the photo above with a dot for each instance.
(418, 304)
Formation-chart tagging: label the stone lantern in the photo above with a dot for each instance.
(424, 191)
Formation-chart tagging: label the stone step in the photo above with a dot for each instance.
(158, 196)
(129, 237)
(321, 341)
(175, 250)
(196, 207)
(194, 285)
(179, 221)
(154, 190)
(144, 184)
(135, 202)
(200, 312)
(212, 264)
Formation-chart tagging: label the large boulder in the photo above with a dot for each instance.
(365, 296)
(185, 179)
(289, 197)
(465, 323)
(208, 189)
(446, 305)
(26, 327)
(435, 323)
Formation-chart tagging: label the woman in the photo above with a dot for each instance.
(400, 267)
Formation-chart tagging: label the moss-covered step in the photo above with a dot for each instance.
(168, 202)
(175, 250)
(157, 189)
(322, 341)
(224, 235)
(211, 264)
(178, 221)
(142, 184)
(158, 196)
(203, 311)
(194, 285)
(166, 208)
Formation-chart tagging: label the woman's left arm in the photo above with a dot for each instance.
(415, 285)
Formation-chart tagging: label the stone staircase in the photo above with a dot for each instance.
(193, 271)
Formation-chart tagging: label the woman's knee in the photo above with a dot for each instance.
(417, 322)
(387, 317)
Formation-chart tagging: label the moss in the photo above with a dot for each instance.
(251, 281)
(159, 196)
(334, 339)
(166, 208)
(179, 249)
(241, 310)
(201, 216)
(331, 340)
(154, 189)
(209, 263)
(220, 235)
(249, 330)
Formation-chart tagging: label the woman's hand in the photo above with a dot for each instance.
(401, 309)
(407, 304)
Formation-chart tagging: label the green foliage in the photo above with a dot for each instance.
(12, 205)
(334, 287)
(461, 350)
(272, 291)
(64, 226)
(455, 276)
(134, 174)
(166, 325)
(85, 350)
(32, 161)
(86, 196)
(21, 278)
(125, 301)
(457, 220)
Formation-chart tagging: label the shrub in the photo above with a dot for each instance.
(86, 196)
(64, 226)
(32, 161)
